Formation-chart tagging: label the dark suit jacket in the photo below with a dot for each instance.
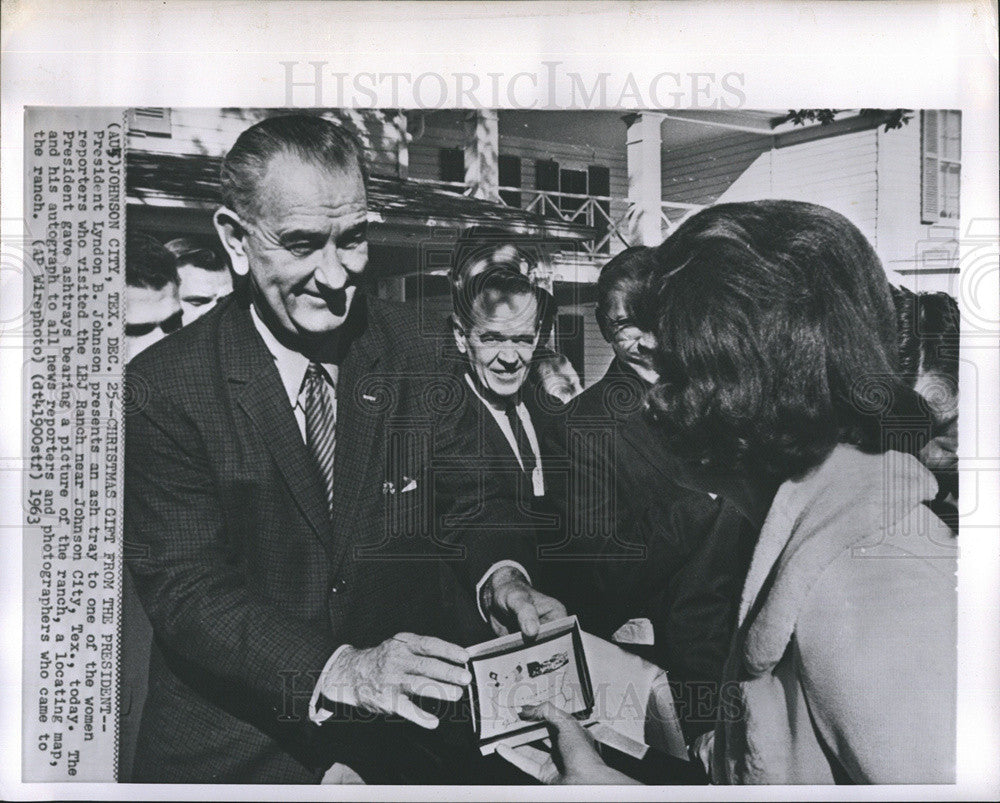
(518, 521)
(655, 537)
(248, 581)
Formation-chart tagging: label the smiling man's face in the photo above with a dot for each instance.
(500, 341)
(306, 244)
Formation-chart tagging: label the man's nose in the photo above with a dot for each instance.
(507, 356)
(647, 342)
(331, 272)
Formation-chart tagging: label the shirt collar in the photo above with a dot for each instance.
(291, 364)
(472, 384)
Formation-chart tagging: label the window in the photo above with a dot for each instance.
(941, 154)
(547, 179)
(578, 180)
(599, 184)
(149, 121)
(510, 176)
(451, 165)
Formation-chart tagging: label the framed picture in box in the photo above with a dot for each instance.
(509, 673)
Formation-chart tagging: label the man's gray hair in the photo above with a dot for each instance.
(311, 138)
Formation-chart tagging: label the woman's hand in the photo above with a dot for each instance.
(574, 758)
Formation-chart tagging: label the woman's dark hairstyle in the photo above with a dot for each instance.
(777, 337)
(628, 272)
(311, 138)
(928, 333)
(148, 264)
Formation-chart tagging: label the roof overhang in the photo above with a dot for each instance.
(405, 215)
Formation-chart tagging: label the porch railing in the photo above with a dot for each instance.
(612, 217)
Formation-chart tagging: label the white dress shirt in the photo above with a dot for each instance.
(537, 476)
(292, 367)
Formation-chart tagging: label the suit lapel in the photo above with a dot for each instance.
(645, 441)
(361, 407)
(258, 391)
(496, 448)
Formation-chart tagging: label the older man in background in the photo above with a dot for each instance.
(204, 277)
(498, 319)
(152, 302)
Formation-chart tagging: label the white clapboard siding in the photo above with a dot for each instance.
(873, 178)
(916, 255)
(699, 173)
(838, 172)
(753, 184)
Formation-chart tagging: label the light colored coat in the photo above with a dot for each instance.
(843, 668)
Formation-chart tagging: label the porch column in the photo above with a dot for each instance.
(644, 177)
(402, 137)
(482, 147)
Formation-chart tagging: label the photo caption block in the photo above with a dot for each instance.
(72, 382)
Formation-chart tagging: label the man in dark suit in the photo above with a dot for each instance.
(648, 537)
(285, 521)
(499, 317)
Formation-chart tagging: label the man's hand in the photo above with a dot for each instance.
(513, 604)
(574, 758)
(382, 679)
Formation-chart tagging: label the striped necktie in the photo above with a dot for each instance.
(320, 406)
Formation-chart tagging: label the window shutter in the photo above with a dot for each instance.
(599, 180)
(510, 176)
(547, 175)
(451, 164)
(547, 179)
(951, 136)
(151, 121)
(930, 204)
(599, 183)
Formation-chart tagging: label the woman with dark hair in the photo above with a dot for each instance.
(777, 356)
(928, 358)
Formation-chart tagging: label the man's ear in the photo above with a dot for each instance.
(232, 233)
(461, 342)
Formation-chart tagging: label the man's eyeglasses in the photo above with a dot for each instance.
(171, 324)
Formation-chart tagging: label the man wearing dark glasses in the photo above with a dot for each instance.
(152, 302)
